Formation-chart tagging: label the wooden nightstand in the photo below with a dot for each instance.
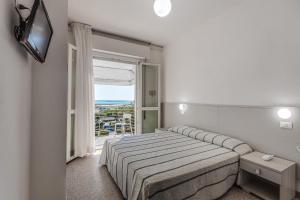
(270, 180)
(160, 130)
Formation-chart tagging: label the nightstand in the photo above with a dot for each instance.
(270, 180)
(161, 130)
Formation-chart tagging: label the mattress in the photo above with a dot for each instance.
(181, 163)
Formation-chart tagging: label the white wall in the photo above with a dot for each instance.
(49, 106)
(15, 101)
(156, 55)
(247, 55)
(118, 46)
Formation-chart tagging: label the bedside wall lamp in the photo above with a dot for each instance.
(182, 108)
(284, 113)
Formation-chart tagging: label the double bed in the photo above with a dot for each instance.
(181, 163)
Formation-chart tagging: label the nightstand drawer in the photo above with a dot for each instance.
(261, 171)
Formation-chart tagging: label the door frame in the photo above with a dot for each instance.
(140, 107)
(70, 111)
(124, 58)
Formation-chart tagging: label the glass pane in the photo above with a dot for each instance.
(72, 149)
(150, 121)
(150, 86)
(73, 92)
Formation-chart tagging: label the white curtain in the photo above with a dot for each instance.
(85, 127)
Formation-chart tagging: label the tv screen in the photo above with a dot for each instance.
(38, 31)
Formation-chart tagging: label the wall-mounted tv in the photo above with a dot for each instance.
(35, 32)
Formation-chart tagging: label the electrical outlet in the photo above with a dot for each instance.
(298, 148)
(286, 125)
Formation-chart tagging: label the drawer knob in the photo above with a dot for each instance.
(257, 171)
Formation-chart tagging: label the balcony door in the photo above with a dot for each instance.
(115, 103)
(148, 90)
(71, 112)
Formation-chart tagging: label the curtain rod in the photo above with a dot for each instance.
(121, 37)
(124, 38)
(119, 54)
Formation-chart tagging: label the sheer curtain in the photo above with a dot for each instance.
(84, 98)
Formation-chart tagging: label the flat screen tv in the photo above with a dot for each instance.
(35, 32)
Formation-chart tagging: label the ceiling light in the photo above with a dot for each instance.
(162, 7)
(284, 113)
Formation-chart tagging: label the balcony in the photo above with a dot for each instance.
(112, 120)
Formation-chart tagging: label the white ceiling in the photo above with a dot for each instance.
(135, 18)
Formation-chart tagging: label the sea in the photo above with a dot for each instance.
(113, 102)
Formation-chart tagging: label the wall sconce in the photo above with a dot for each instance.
(284, 113)
(182, 108)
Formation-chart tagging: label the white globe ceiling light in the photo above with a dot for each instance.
(162, 7)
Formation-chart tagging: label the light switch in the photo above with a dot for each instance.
(286, 125)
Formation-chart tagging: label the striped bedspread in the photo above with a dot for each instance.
(182, 163)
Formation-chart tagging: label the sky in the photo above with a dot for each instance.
(114, 92)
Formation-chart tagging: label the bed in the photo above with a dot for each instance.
(181, 163)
